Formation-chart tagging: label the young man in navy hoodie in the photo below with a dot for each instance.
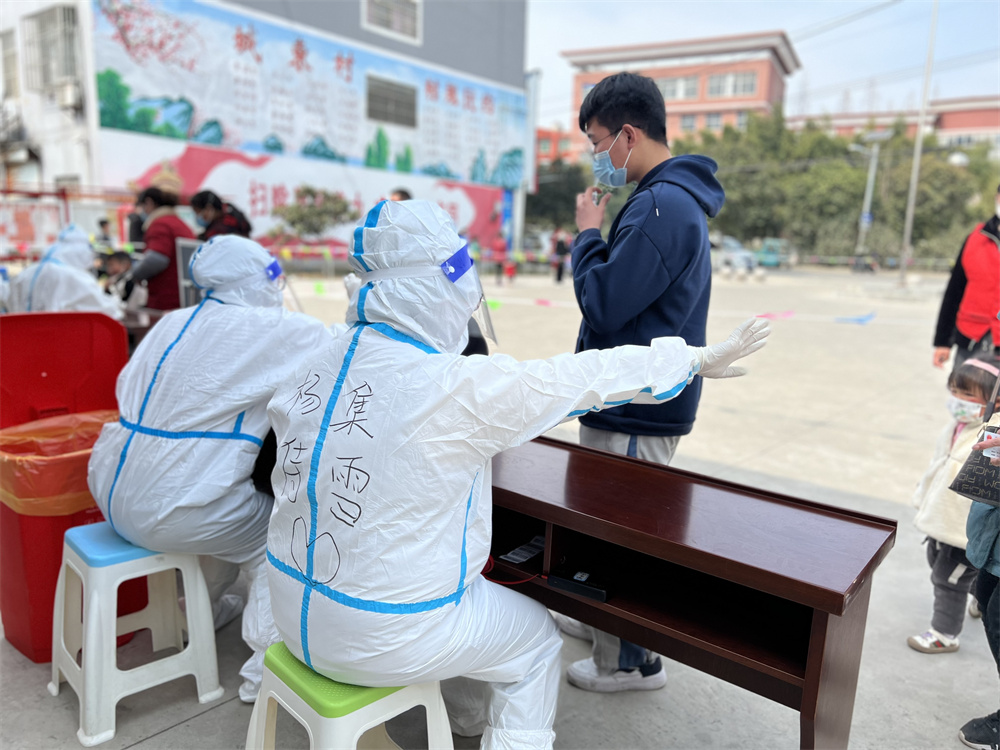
(651, 278)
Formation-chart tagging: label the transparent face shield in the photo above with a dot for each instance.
(459, 267)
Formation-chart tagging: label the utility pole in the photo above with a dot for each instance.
(865, 222)
(918, 147)
(532, 82)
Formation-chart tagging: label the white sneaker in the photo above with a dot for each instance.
(585, 675)
(974, 610)
(572, 627)
(932, 642)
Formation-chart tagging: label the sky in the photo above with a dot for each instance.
(873, 63)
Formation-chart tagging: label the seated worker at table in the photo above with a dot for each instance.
(161, 227)
(174, 473)
(63, 280)
(382, 520)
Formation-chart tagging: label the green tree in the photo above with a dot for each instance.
(314, 211)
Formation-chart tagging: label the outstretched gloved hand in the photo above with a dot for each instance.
(352, 282)
(717, 361)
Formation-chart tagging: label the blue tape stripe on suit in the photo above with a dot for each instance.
(365, 605)
(362, 296)
(175, 435)
(659, 397)
(392, 333)
(47, 258)
(142, 409)
(465, 530)
(311, 488)
(370, 221)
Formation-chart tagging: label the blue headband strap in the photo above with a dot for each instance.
(273, 270)
(456, 266)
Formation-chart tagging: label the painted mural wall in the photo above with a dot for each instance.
(198, 96)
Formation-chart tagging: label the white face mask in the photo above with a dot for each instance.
(998, 210)
(965, 411)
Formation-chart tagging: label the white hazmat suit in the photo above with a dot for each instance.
(382, 516)
(63, 280)
(174, 473)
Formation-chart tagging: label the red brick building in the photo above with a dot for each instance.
(956, 122)
(556, 145)
(706, 83)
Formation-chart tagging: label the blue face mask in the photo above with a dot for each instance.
(605, 172)
(202, 222)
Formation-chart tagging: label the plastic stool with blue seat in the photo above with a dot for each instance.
(338, 716)
(95, 562)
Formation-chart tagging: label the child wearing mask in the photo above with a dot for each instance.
(942, 513)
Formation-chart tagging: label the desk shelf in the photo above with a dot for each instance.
(753, 629)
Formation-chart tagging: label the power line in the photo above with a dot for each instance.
(951, 63)
(806, 33)
(824, 26)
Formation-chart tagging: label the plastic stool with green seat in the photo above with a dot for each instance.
(336, 714)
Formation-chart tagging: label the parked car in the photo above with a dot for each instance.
(730, 253)
(776, 253)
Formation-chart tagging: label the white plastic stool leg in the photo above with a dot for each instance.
(100, 685)
(438, 727)
(201, 630)
(163, 622)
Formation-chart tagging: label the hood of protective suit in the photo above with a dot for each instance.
(237, 271)
(411, 238)
(72, 248)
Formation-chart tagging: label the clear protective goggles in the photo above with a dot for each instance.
(457, 266)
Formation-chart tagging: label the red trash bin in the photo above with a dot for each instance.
(43, 492)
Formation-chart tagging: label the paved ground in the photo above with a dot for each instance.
(842, 407)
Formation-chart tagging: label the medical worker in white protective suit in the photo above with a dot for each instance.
(63, 280)
(174, 474)
(382, 517)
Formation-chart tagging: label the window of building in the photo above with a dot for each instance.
(732, 84)
(689, 87)
(399, 19)
(713, 121)
(544, 146)
(678, 88)
(392, 102)
(563, 145)
(687, 123)
(717, 85)
(50, 48)
(668, 87)
(8, 50)
(744, 84)
(585, 89)
(741, 120)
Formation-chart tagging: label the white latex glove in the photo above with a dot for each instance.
(352, 282)
(717, 361)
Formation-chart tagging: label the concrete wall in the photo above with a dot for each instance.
(484, 38)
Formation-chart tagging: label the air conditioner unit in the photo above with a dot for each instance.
(68, 95)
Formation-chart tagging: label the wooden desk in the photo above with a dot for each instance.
(765, 591)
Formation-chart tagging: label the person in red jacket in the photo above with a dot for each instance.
(968, 316)
(162, 227)
(217, 217)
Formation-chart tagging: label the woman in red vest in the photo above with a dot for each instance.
(968, 316)
(162, 227)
